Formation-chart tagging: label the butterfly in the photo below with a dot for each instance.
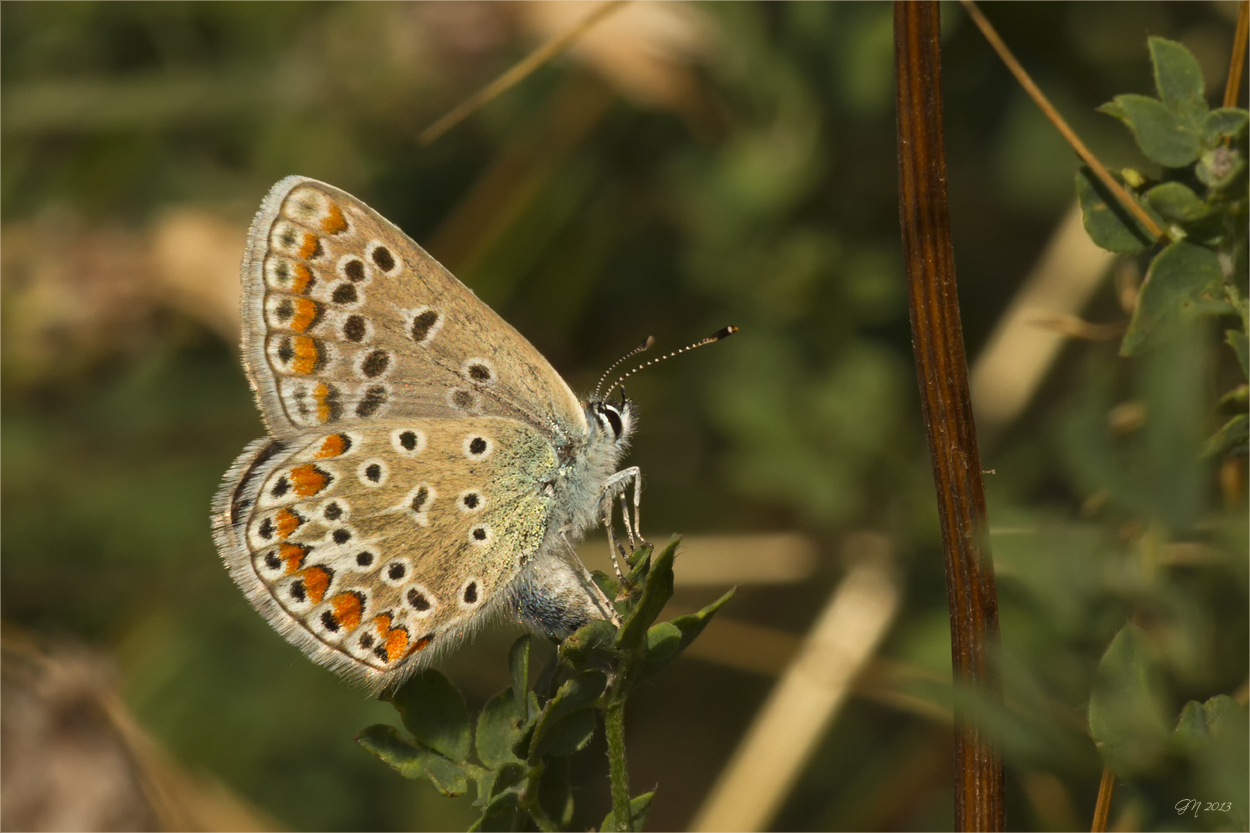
(426, 468)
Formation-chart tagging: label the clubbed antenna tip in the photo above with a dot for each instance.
(722, 333)
(646, 345)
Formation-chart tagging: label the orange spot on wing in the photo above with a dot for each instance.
(335, 444)
(334, 222)
(308, 480)
(287, 522)
(396, 642)
(307, 354)
(306, 311)
(309, 246)
(301, 278)
(316, 582)
(347, 609)
(421, 644)
(293, 555)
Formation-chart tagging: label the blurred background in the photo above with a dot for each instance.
(682, 167)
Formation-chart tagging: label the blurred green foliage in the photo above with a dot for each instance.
(1197, 273)
(766, 199)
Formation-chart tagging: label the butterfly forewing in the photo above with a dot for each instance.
(373, 545)
(348, 319)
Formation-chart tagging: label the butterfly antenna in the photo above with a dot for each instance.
(646, 345)
(726, 332)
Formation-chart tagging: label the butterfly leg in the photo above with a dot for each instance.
(627, 476)
(638, 505)
(613, 544)
(629, 527)
(604, 603)
(621, 480)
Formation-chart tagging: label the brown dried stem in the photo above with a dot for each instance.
(1102, 809)
(942, 370)
(517, 72)
(1057, 120)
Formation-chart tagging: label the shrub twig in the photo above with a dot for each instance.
(1237, 61)
(1131, 205)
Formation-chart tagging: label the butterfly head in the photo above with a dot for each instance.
(613, 419)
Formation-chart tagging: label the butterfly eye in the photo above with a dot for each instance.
(613, 418)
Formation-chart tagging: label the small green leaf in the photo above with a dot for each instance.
(412, 760)
(1191, 729)
(692, 624)
(1238, 340)
(639, 808)
(590, 646)
(1238, 397)
(688, 627)
(508, 777)
(606, 583)
(1164, 136)
(1176, 202)
(656, 593)
(499, 727)
(639, 563)
(519, 668)
(555, 792)
(433, 711)
(663, 643)
(1180, 278)
(545, 685)
(1178, 79)
(522, 747)
(1224, 123)
(1202, 723)
(635, 558)
(1231, 440)
(1126, 712)
(1212, 735)
(1107, 222)
(499, 819)
(575, 695)
(564, 735)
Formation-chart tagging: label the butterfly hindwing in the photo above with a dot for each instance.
(346, 319)
(373, 545)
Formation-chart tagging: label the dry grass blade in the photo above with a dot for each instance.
(517, 72)
(1237, 62)
(1074, 327)
(780, 741)
(1017, 356)
(1057, 120)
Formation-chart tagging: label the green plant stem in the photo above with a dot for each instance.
(530, 803)
(614, 730)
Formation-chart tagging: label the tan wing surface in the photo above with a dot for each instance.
(360, 545)
(348, 319)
